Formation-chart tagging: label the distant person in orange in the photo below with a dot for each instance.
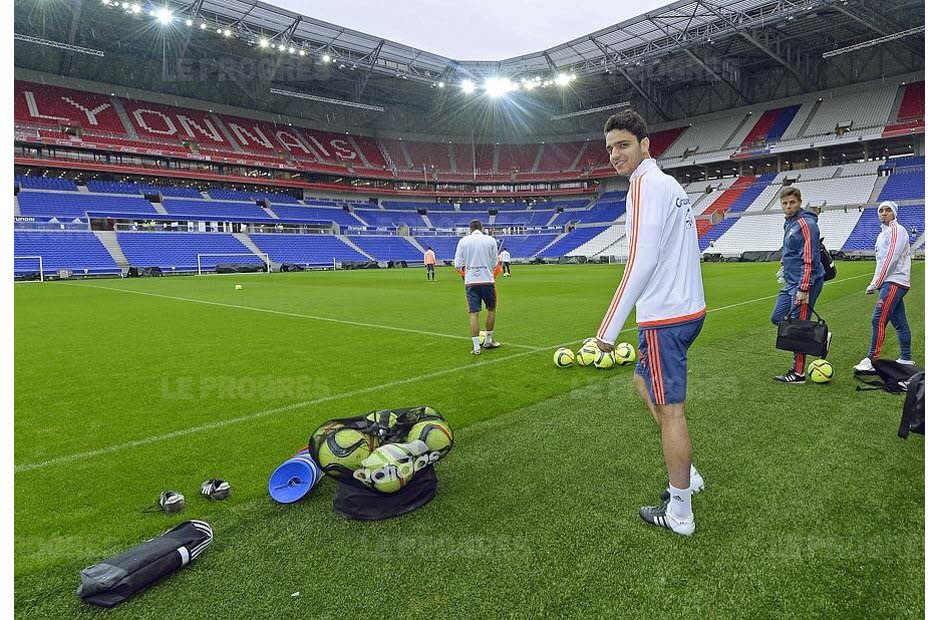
(429, 261)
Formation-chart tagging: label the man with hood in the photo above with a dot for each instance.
(892, 280)
(802, 271)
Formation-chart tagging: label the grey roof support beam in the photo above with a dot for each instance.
(646, 96)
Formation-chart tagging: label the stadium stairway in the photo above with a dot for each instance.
(158, 207)
(248, 243)
(16, 206)
(880, 183)
(108, 239)
(270, 213)
(427, 221)
(347, 241)
(125, 119)
(414, 242)
(558, 238)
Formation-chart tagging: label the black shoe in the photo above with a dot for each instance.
(660, 517)
(791, 377)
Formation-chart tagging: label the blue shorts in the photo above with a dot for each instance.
(663, 363)
(481, 294)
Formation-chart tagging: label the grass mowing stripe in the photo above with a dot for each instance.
(300, 316)
(277, 410)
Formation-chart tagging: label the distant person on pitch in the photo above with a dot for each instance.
(663, 280)
(506, 259)
(892, 281)
(429, 261)
(476, 260)
(803, 272)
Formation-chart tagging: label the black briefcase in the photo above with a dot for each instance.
(803, 335)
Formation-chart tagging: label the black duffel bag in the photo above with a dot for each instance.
(116, 579)
(803, 335)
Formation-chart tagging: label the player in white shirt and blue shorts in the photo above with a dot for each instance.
(663, 280)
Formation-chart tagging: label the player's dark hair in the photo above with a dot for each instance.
(629, 120)
(476, 225)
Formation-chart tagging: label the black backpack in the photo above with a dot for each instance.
(889, 376)
(912, 418)
(829, 266)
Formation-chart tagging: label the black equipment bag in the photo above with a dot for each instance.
(116, 579)
(803, 335)
(356, 501)
(889, 376)
(912, 417)
(828, 265)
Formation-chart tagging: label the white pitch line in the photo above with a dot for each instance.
(298, 315)
(68, 458)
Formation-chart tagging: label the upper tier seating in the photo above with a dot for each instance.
(75, 204)
(115, 187)
(49, 183)
(213, 208)
(315, 214)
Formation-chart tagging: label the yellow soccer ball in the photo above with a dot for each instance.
(564, 357)
(604, 359)
(587, 354)
(624, 353)
(820, 371)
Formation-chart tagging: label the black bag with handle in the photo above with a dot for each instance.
(803, 335)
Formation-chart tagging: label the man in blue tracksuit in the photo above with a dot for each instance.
(802, 271)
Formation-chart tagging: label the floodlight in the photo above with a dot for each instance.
(467, 86)
(202, 26)
(302, 53)
(281, 47)
(263, 42)
(440, 84)
(226, 33)
(562, 79)
(326, 58)
(136, 8)
(164, 15)
(498, 86)
(290, 50)
(189, 22)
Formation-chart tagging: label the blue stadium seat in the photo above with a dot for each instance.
(387, 248)
(177, 251)
(76, 205)
(313, 250)
(206, 208)
(80, 251)
(30, 182)
(572, 240)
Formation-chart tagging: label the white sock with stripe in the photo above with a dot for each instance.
(680, 503)
(476, 343)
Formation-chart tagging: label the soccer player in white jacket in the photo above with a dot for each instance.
(663, 280)
(477, 262)
(892, 280)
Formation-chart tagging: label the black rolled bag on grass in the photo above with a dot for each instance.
(116, 579)
(383, 460)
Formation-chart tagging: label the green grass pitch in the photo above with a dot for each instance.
(812, 506)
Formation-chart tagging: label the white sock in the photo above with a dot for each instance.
(476, 343)
(693, 471)
(680, 503)
(489, 336)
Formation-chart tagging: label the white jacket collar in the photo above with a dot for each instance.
(646, 165)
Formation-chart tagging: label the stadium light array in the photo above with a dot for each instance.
(467, 86)
(499, 86)
(164, 15)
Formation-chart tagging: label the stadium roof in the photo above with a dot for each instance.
(676, 27)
